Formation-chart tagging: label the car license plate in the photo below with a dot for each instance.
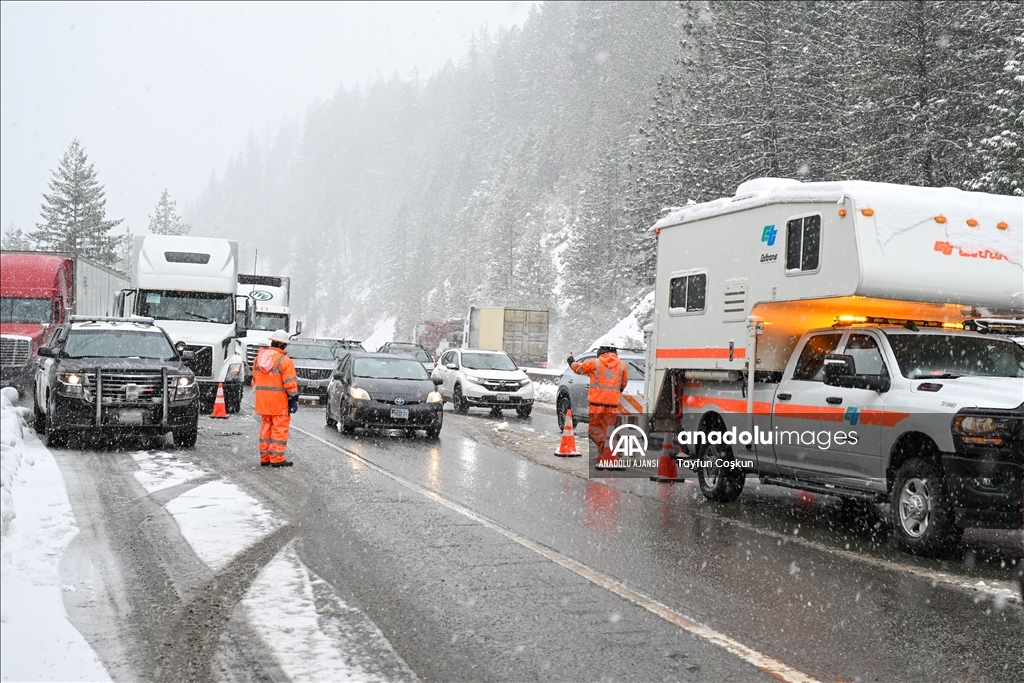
(400, 413)
(130, 417)
(501, 397)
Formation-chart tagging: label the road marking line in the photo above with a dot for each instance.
(763, 662)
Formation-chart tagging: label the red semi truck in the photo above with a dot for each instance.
(38, 291)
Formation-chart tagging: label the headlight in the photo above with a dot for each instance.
(525, 382)
(434, 397)
(474, 380)
(358, 394)
(69, 384)
(185, 388)
(234, 373)
(984, 431)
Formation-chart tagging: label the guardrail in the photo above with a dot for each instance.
(543, 374)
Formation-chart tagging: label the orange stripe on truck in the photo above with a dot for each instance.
(728, 405)
(706, 352)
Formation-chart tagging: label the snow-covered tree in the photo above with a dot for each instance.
(13, 239)
(74, 211)
(166, 220)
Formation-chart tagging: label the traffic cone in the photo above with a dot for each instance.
(220, 409)
(567, 447)
(667, 470)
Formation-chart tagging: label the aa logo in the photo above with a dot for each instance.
(628, 441)
(852, 416)
(768, 235)
(260, 295)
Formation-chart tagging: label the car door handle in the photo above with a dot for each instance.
(834, 400)
(784, 397)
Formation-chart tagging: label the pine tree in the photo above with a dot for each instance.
(13, 239)
(74, 212)
(167, 221)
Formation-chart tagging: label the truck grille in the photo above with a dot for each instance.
(313, 373)
(250, 353)
(118, 386)
(202, 364)
(14, 351)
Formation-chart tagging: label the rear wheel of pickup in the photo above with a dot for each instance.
(717, 480)
(922, 514)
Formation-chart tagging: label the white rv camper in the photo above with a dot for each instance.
(188, 285)
(811, 308)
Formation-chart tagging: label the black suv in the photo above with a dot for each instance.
(114, 375)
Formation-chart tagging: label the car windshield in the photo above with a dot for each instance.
(270, 322)
(418, 354)
(635, 369)
(117, 344)
(25, 310)
(389, 368)
(209, 307)
(310, 352)
(488, 361)
(950, 355)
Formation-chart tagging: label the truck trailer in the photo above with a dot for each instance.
(40, 291)
(522, 333)
(189, 286)
(812, 334)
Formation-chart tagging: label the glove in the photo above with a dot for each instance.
(570, 360)
(293, 404)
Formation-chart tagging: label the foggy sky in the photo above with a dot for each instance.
(162, 95)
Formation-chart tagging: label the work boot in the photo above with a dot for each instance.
(286, 463)
(264, 463)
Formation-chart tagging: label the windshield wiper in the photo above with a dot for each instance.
(200, 317)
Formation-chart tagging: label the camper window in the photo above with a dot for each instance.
(688, 293)
(811, 365)
(803, 244)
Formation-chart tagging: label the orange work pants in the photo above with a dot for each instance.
(274, 437)
(600, 430)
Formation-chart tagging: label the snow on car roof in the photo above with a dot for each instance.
(998, 220)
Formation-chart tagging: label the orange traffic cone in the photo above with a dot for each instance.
(220, 409)
(667, 470)
(567, 448)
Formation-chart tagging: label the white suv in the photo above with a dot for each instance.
(483, 379)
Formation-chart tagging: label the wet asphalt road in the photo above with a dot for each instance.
(798, 578)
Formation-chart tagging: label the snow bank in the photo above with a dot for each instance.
(383, 331)
(37, 642)
(628, 333)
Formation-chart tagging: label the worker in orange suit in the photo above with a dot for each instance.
(277, 397)
(608, 377)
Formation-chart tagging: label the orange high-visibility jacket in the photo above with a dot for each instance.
(273, 377)
(608, 377)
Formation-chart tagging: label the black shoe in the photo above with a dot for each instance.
(264, 464)
(286, 463)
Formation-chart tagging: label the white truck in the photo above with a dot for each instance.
(188, 285)
(270, 295)
(812, 334)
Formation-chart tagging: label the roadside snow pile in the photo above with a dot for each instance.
(545, 392)
(383, 331)
(37, 642)
(628, 333)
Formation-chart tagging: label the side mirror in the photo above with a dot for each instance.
(452, 366)
(338, 375)
(47, 352)
(837, 366)
(437, 380)
(188, 355)
(298, 328)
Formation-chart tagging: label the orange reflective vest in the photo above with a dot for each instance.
(273, 378)
(608, 377)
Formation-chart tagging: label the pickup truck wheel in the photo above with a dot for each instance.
(461, 407)
(233, 398)
(186, 438)
(922, 516)
(53, 438)
(717, 483)
(38, 418)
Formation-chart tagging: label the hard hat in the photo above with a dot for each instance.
(280, 336)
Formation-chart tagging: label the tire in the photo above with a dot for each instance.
(38, 418)
(233, 398)
(524, 411)
(434, 432)
(719, 484)
(495, 412)
(562, 405)
(186, 437)
(347, 427)
(461, 407)
(331, 422)
(923, 519)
